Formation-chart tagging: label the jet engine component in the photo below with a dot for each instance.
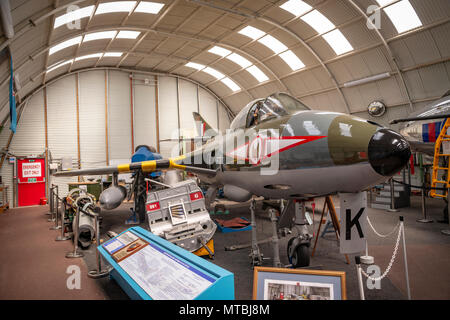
(236, 194)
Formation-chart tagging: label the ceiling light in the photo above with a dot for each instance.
(273, 44)
(367, 80)
(403, 16)
(149, 7)
(73, 16)
(89, 56)
(220, 51)
(112, 54)
(240, 60)
(213, 72)
(292, 60)
(231, 84)
(58, 65)
(296, 7)
(128, 35)
(318, 21)
(117, 6)
(257, 73)
(252, 32)
(64, 45)
(195, 65)
(99, 35)
(338, 42)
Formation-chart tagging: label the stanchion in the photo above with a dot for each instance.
(402, 227)
(393, 209)
(424, 208)
(99, 273)
(56, 196)
(63, 236)
(447, 231)
(275, 240)
(75, 253)
(52, 204)
(359, 274)
(367, 259)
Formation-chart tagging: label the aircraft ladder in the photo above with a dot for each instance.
(437, 167)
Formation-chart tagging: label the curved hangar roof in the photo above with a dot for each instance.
(330, 53)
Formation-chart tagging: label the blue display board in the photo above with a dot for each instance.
(148, 267)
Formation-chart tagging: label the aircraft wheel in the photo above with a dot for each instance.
(300, 255)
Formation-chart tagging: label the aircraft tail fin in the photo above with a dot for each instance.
(202, 127)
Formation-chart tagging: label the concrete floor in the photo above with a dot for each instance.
(35, 267)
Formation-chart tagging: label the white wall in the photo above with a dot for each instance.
(177, 100)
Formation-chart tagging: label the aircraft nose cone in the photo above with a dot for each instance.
(389, 152)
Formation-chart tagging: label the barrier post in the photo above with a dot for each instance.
(359, 274)
(402, 226)
(52, 204)
(56, 196)
(424, 208)
(62, 236)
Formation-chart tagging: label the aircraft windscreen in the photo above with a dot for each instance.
(287, 102)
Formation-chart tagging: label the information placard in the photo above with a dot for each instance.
(164, 277)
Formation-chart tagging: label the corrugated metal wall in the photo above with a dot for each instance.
(100, 112)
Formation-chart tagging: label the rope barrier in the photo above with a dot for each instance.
(419, 187)
(394, 255)
(379, 234)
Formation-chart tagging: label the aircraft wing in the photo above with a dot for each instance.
(146, 166)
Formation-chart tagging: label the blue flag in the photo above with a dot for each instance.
(12, 101)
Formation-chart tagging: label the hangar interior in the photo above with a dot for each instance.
(94, 81)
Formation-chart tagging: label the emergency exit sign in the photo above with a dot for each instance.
(32, 170)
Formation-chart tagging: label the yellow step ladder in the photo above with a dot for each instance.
(437, 167)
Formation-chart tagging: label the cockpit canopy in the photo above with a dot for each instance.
(262, 110)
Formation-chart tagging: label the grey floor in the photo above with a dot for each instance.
(428, 253)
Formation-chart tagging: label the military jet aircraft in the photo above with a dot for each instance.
(422, 128)
(278, 148)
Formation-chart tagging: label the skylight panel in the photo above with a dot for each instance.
(73, 16)
(113, 54)
(99, 35)
(338, 42)
(213, 72)
(220, 51)
(89, 56)
(296, 7)
(403, 16)
(149, 7)
(58, 65)
(231, 84)
(239, 60)
(257, 73)
(273, 44)
(128, 35)
(383, 3)
(252, 32)
(195, 65)
(318, 21)
(292, 60)
(64, 45)
(117, 6)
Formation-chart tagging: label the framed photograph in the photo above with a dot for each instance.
(296, 284)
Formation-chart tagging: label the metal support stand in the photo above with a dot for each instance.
(402, 226)
(99, 273)
(75, 253)
(359, 274)
(62, 236)
(275, 240)
(56, 196)
(393, 209)
(255, 254)
(447, 231)
(424, 208)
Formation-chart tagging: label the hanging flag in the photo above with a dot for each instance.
(12, 101)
